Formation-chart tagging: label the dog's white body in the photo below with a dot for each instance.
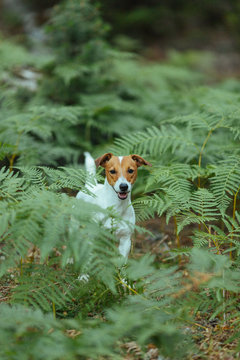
(110, 195)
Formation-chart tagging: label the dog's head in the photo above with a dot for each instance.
(121, 171)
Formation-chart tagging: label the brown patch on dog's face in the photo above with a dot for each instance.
(113, 170)
(129, 169)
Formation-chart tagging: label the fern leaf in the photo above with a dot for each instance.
(226, 181)
(156, 141)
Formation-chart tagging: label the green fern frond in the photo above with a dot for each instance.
(66, 178)
(226, 182)
(67, 115)
(156, 141)
(204, 203)
(40, 285)
(200, 209)
(147, 206)
(11, 185)
(176, 178)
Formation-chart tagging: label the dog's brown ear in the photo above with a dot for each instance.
(102, 160)
(140, 161)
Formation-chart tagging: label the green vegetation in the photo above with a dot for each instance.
(88, 96)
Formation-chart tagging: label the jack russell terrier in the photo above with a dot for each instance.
(121, 173)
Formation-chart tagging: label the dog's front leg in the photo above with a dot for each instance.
(124, 245)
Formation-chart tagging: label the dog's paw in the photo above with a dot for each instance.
(70, 261)
(83, 277)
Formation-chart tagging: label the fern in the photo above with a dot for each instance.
(146, 207)
(173, 188)
(225, 183)
(41, 286)
(11, 185)
(155, 141)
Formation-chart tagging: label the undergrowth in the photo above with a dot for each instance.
(91, 97)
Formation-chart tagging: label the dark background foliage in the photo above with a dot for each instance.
(181, 24)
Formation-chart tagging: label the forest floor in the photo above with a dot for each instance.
(210, 336)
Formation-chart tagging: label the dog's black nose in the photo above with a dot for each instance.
(123, 187)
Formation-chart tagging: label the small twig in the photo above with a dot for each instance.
(234, 215)
(177, 238)
(54, 310)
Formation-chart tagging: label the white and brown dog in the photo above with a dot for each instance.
(121, 173)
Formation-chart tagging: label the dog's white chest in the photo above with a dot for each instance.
(105, 197)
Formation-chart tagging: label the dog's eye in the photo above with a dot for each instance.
(112, 171)
(130, 171)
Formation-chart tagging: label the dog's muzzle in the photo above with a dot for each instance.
(122, 195)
